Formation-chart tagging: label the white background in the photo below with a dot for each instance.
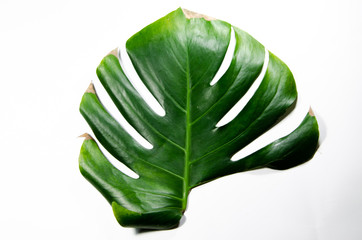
(49, 51)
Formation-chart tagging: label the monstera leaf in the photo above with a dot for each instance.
(176, 57)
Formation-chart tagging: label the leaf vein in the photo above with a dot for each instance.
(157, 194)
(153, 165)
(156, 131)
(214, 104)
(232, 140)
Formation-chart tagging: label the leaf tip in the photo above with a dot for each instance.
(190, 14)
(91, 89)
(86, 136)
(311, 113)
(114, 52)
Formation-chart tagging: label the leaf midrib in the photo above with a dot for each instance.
(188, 134)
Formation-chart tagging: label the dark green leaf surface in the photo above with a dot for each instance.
(177, 58)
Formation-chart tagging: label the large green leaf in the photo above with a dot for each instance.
(176, 57)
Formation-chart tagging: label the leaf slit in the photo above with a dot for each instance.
(227, 58)
(238, 107)
(137, 83)
(240, 134)
(112, 110)
(116, 163)
(281, 129)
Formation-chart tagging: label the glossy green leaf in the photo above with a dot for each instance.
(176, 58)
